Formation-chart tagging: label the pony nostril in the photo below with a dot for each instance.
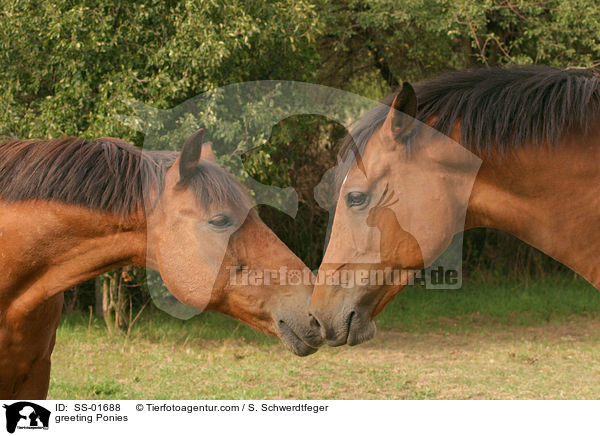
(350, 319)
(314, 321)
(318, 326)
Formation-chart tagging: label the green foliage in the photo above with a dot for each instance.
(69, 67)
(414, 39)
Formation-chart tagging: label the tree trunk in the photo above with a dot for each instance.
(107, 304)
(98, 294)
(114, 299)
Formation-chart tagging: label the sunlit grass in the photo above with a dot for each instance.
(483, 341)
(492, 301)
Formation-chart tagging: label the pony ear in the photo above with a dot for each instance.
(404, 104)
(191, 154)
(208, 153)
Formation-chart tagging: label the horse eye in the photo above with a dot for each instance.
(220, 221)
(356, 198)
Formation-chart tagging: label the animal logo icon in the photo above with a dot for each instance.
(24, 414)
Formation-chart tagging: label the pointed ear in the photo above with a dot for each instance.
(404, 104)
(207, 152)
(191, 154)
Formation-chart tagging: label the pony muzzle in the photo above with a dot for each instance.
(351, 326)
(301, 339)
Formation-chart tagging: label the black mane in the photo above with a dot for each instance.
(499, 108)
(506, 107)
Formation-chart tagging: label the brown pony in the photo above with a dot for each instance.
(72, 209)
(536, 133)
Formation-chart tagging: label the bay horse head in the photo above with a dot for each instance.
(398, 208)
(213, 251)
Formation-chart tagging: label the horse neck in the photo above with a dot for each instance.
(64, 245)
(547, 197)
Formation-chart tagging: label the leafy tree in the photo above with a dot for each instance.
(67, 67)
(417, 39)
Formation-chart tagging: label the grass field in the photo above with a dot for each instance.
(489, 340)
